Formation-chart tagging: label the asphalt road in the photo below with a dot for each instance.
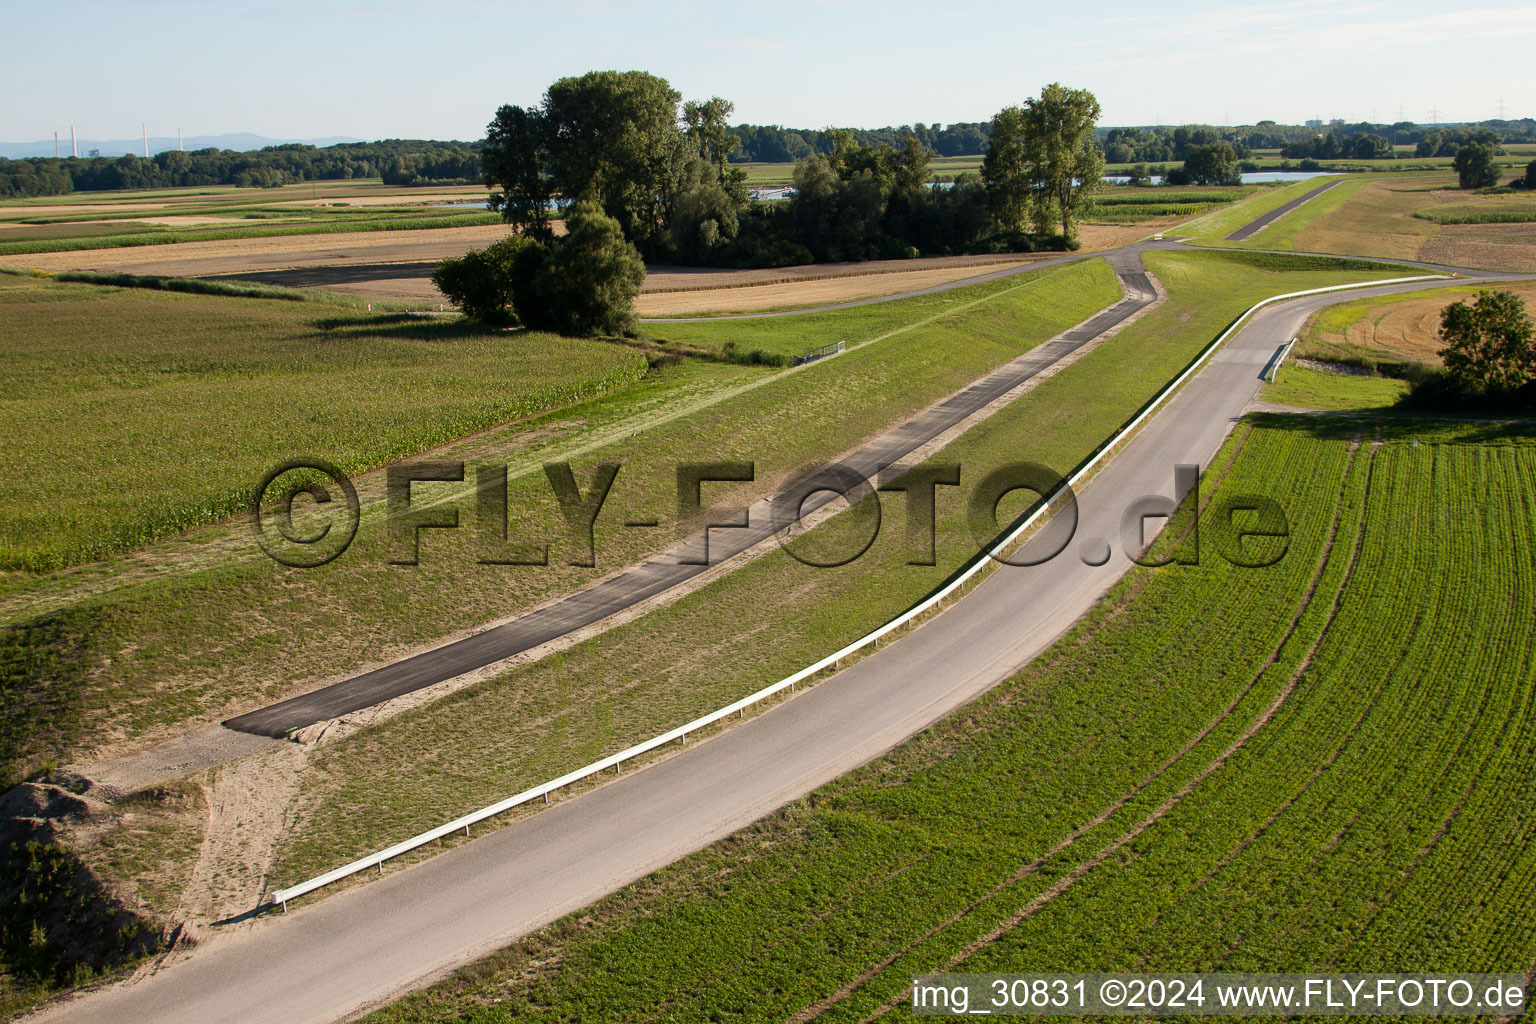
(1253, 227)
(668, 569)
(364, 946)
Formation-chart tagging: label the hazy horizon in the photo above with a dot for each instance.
(300, 71)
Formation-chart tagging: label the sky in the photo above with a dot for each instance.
(388, 69)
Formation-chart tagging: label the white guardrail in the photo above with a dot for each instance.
(1285, 350)
(282, 896)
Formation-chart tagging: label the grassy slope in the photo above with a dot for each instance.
(164, 648)
(713, 647)
(1282, 233)
(135, 414)
(1308, 388)
(1370, 810)
(1219, 223)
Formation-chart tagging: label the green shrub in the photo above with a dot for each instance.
(481, 282)
(586, 282)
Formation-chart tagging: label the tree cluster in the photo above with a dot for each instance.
(1475, 166)
(1338, 146)
(1214, 163)
(1450, 142)
(662, 169)
(615, 139)
(1161, 144)
(1043, 165)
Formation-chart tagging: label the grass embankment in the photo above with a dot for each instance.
(140, 643)
(1281, 234)
(756, 625)
(1218, 769)
(1218, 224)
(1333, 390)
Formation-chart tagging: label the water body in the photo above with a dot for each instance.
(1249, 177)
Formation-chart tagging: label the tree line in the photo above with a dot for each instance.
(423, 162)
(771, 143)
(398, 161)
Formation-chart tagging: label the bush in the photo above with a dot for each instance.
(482, 281)
(1442, 391)
(583, 283)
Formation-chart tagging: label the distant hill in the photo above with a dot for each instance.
(241, 141)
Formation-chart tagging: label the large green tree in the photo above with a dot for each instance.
(1489, 345)
(1475, 167)
(1213, 163)
(515, 160)
(588, 281)
(1043, 157)
(1067, 161)
(617, 143)
(614, 138)
(1005, 170)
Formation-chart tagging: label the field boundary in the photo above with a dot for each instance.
(974, 565)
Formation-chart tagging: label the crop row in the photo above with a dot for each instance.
(1322, 765)
(894, 859)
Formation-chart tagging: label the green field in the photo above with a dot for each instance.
(1505, 209)
(1220, 768)
(1307, 387)
(541, 720)
(1122, 204)
(213, 626)
(67, 223)
(134, 414)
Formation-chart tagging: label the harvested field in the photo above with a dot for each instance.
(62, 209)
(683, 291)
(1405, 327)
(814, 291)
(1379, 221)
(686, 279)
(1494, 246)
(396, 266)
(181, 220)
(243, 255)
(404, 197)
